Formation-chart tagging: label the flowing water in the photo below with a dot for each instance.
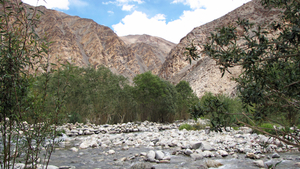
(93, 158)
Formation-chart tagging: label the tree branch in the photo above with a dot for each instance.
(277, 137)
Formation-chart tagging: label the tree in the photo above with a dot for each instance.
(185, 99)
(92, 95)
(156, 98)
(21, 48)
(269, 85)
(220, 109)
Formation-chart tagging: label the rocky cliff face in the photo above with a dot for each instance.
(204, 74)
(83, 42)
(149, 51)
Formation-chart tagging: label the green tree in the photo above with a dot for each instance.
(156, 98)
(21, 50)
(220, 109)
(185, 99)
(96, 96)
(126, 109)
(269, 57)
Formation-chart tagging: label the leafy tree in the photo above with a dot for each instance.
(219, 109)
(156, 98)
(185, 99)
(269, 57)
(21, 50)
(96, 96)
(126, 109)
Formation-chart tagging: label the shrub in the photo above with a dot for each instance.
(185, 126)
(268, 127)
(75, 117)
(199, 126)
(220, 109)
(235, 128)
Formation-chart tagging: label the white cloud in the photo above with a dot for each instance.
(127, 7)
(201, 13)
(50, 4)
(110, 12)
(159, 17)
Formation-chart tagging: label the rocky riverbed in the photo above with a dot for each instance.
(153, 145)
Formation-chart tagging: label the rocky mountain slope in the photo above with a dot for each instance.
(203, 75)
(149, 51)
(83, 42)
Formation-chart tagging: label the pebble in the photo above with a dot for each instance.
(213, 164)
(74, 149)
(196, 144)
(259, 163)
(252, 156)
(275, 155)
(110, 152)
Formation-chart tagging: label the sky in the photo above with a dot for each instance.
(168, 19)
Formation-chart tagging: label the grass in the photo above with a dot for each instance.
(197, 126)
(186, 126)
(268, 127)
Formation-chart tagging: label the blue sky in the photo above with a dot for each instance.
(169, 19)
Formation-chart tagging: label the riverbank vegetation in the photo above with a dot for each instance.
(270, 81)
(99, 96)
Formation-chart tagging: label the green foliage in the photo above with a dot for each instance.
(269, 57)
(185, 126)
(75, 117)
(196, 126)
(219, 109)
(156, 98)
(199, 126)
(235, 128)
(185, 99)
(99, 96)
(21, 51)
(268, 127)
(91, 95)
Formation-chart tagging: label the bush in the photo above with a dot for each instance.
(199, 126)
(268, 127)
(75, 117)
(220, 109)
(185, 126)
(235, 128)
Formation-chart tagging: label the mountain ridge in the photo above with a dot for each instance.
(83, 42)
(203, 75)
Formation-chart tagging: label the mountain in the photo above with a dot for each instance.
(83, 42)
(149, 51)
(203, 74)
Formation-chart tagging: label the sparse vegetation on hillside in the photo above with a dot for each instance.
(270, 82)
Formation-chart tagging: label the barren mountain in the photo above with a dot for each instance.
(83, 42)
(204, 75)
(149, 51)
